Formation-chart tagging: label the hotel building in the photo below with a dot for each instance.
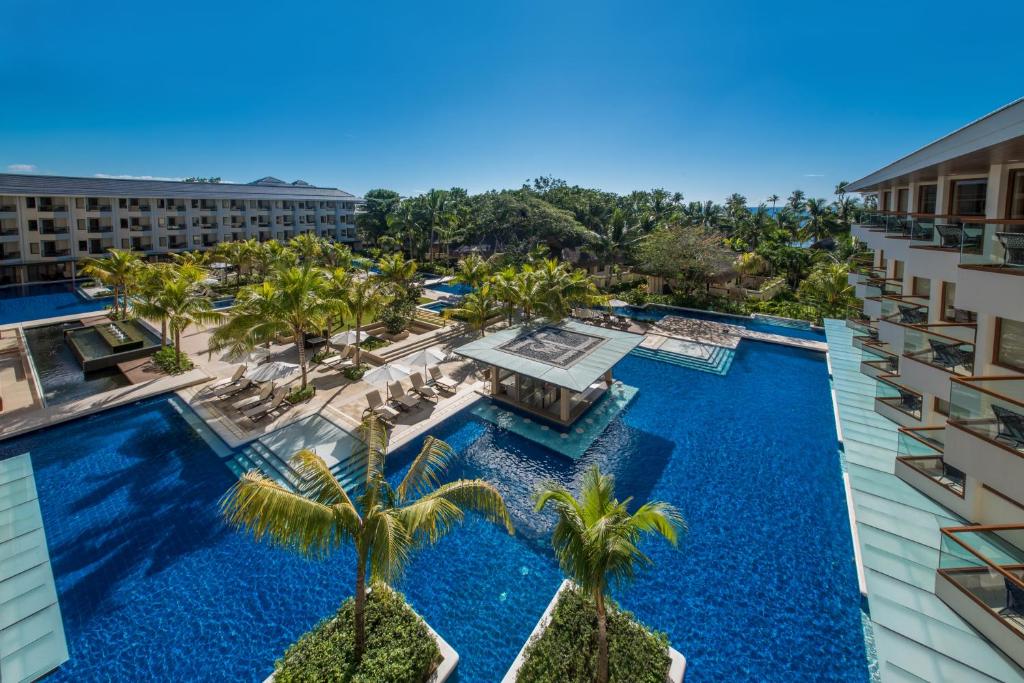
(48, 223)
(941, 328)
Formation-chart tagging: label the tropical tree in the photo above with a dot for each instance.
(378, 205)
(383, 524)
(476, 308)
(562, 288)
(365, 299)
(820, 222)
(336, 287)
(247, 324)
(183, 306)
(147, 302)
(773, 200)
(397, 272)
(796, 200)
(118, 271)
(240, 255)
(750, 263)
(472, 270)
(827, 289)
(308, 246)
(504, 288)
(596, 540)
(529, 296)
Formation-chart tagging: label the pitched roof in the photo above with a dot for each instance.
(264, 188)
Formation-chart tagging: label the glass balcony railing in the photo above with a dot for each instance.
(907, 310)
(991, 408)
(921, 449)
(987, 563)
(894, 395)
(945, 346)
(1000, 245)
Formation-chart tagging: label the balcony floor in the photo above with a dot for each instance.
(916, 634)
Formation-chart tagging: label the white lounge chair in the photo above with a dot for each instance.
(339, 359)
(375, 406)
(232, 389)
(421, 388)
(266, 389)
(220, 384)
(443, 381)
(403, 400)
(273, 403)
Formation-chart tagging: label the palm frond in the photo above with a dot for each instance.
(391, 544)
(317, 482)
(661, 518)
(426, 469)
(267, 510)
(478, 495)
(375, 435)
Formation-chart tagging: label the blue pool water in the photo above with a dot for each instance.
(654, 312)
(19, 303)
(437, 306)
(457, 288)
(763, 588)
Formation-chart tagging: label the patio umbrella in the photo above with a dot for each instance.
(272, 371)
(426, 356)
(386, 374)
(219, 265)
(343, 338)
(257, 355)
(617, 303)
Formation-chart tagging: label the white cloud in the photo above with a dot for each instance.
(814, 175)
(125, 176)
(21, 168)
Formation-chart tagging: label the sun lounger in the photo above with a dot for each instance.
(440, 379)
(220, 384)
(421, 388)
(375, 406)
(232, 389)
(266, 389)
(273, 403)
(401, 399)
(340, 359)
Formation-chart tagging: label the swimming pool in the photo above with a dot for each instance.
(154, 587)
(19, 303)
(438, 306)
(655, 312)
(456, 288)
(59, 371)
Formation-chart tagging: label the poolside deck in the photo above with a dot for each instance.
(724, 334)
(917, 636)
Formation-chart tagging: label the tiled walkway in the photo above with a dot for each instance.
(916, 635)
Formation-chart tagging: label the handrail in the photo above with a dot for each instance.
(949, 532)
(967, 382)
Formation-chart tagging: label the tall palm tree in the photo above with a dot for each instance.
(337, 284)
(827, 289)
(397, 272)
(184, 307)
(503, 286)
(308, 246)
(248, 324)
(147, 302)
(796, 200)
(472, 270)
(562, 288)
(773, 200)
(596, 540)
(365, 299)
(476, 308)
(117, 271)
(820, 220)
(528, 291)
(384, 524)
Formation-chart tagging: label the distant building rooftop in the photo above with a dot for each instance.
(264, 188)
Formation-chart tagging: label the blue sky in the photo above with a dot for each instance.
(705, 98)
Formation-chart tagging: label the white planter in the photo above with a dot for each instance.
(676, 669)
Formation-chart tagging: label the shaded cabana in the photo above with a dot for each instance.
(553, 370)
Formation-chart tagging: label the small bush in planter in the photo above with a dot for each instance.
(166, 361)
(299, 395)
(355, 371)
(371, 343)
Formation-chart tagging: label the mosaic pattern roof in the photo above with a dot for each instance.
(552, 345)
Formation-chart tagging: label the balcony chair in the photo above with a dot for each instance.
(1014, 600)
(956, 237)
(1013, 248)
(950, 355)
(910, 402)
(1011, 428)
(911, 315)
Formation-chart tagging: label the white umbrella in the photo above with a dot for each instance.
(257, 355)
(209, 281)
(220, 265)
(426, 356)
(272, 371)
(343, 338)
(617, 303)
(386, 374)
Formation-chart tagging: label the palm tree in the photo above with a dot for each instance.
(528, 292)
(147, 301)
(773, 200)
(827, 289)
(504, 287)
(365, 299)
(562, 288)
(248, 323)
(384, 524)
(308, 246)
(472, 270)
(184, 307)
(397, 272)
(476, 308)
(750, 263)
(596, 540)
(337, 284)
(796, 200)
(117, 271)
(820, 220)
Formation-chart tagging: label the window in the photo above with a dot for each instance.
(123, 203)
(83, 245)
(79, 202)
(1016, 195)
(1009, 350)
(886, 197)
(30, 202)
(33, 225)
(927, 196)
(903, 199)
(163, 241)
(922, 287)
(897, 270)
(948, 297)
(124, 243)
(968, 197)
(941, 406)
(33, 248)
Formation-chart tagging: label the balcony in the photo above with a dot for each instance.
(904, 310)
(897, 402)
(980, 578)
(986, 439)
(882, 365)
(53, 230)
(93, 208)
(9, 255)
(135, 208)
(946, 346)
(8, 208)
(52, 208)
(920, 463)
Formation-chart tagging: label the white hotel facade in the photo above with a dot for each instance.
(942, 328)
(49, 223)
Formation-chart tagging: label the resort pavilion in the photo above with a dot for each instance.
(553, 370)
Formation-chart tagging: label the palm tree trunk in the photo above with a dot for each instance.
(602, 638)
(300, 341)
(360, 608)
(359, 327)
(177, 349)
(163, 332)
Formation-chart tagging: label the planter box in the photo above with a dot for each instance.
(676, 670)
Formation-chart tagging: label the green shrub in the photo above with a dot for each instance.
(567, 650)
(355, 371)
(399, 647)
(165, 360)
(371, 343)
(299, 395)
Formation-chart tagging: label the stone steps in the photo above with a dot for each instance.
(717, 363)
